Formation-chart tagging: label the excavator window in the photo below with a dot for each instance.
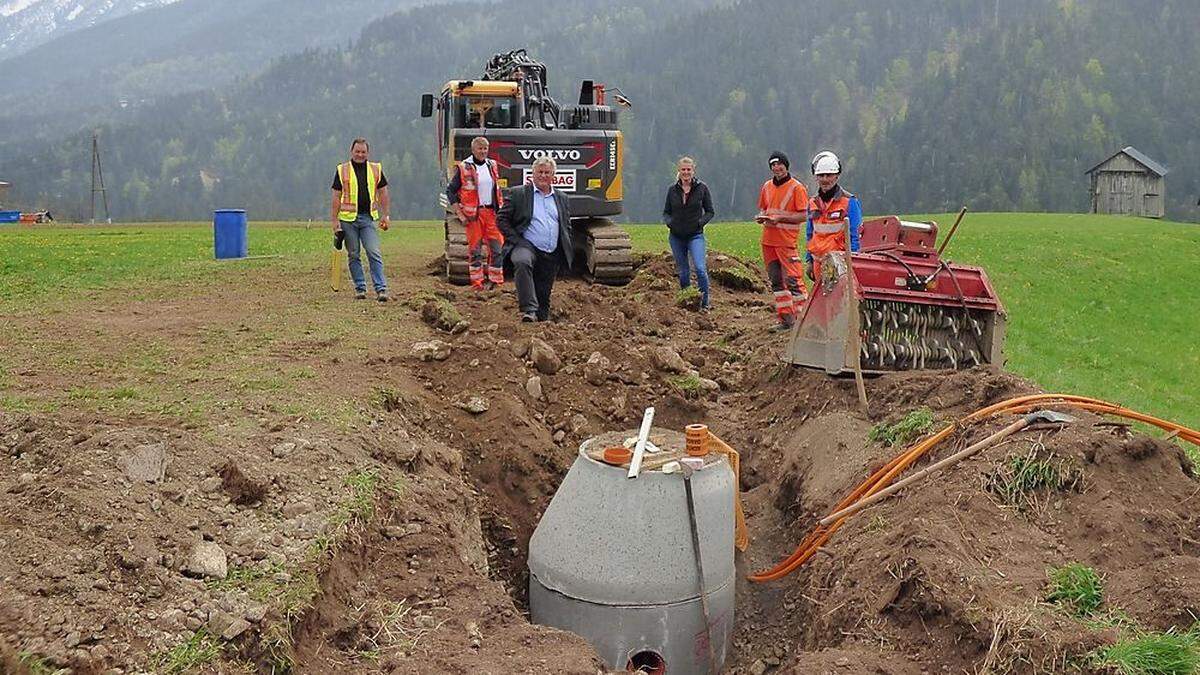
(477, 112)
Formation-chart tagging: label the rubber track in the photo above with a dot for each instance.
(456, 252)
(607, 252)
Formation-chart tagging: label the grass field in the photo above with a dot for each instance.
(48, 264)
(1100, 306)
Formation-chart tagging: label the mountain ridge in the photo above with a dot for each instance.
(25, 24)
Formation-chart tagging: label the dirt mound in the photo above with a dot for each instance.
(411, 595)
(241, 489)
(954, 572)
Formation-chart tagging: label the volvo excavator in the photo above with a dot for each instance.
(511, 106)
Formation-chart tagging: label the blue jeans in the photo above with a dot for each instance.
(362, 234)
(695, 247)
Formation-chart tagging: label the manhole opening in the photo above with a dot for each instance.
(647, 661)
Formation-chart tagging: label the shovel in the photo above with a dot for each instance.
(335, 264)
(1047, 416)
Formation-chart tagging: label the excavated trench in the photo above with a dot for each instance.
(773, 499)
(947, 576)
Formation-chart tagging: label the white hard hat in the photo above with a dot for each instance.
(826, 162)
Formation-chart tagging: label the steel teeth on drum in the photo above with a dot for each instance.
(900, 336)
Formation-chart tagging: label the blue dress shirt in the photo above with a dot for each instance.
(543, 225)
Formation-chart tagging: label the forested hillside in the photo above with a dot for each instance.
(931, 104)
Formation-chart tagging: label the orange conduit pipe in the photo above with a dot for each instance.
(700, 442)
(741, 536)
(883, 477)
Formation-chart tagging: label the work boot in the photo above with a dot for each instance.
(360, 295)
(528, 317)
(382, 296)
(784, 325)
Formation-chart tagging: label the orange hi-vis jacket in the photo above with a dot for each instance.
(348, 209)
(791, 196)
(827, 226)
(468, 194)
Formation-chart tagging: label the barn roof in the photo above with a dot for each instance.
(1139, 157)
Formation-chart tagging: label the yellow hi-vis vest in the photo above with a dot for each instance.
(348, 210)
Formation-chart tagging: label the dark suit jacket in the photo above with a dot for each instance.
(513, 218)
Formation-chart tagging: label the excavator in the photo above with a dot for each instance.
(511, 106)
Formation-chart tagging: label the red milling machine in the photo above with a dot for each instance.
(914, 310)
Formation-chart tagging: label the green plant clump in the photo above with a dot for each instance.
(1076, 588)
(1016, 481)
(436, 311)
(914, 425)
(387, 398)
(688, 298)
(37, 665)
(199, 649)
(688, 384)
(736, 278)
(1169, 653)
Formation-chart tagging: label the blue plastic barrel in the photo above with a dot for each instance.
(229, 233)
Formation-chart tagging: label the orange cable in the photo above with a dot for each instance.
(883, 477)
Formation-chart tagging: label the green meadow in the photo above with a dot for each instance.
(51, 264)
(1100, 306)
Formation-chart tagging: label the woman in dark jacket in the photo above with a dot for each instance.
(687, 210)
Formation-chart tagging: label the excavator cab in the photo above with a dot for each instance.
(470, 108)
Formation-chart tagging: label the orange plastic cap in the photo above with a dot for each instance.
(617, 455)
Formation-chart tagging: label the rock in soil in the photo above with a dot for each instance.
(432, 350)
(595, 371)
(533, 387)
(544, 358)
(145, 463)
(207, 559)
(476, 405)
(669, 360)
(297, 508)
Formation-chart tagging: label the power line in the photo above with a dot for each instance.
(98, 180)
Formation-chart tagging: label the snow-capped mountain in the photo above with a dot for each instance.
(25, 24)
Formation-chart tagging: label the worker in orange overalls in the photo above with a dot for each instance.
(475, 195)
(828, 212)
(782, 204)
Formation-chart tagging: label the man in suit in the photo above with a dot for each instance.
(536, 223)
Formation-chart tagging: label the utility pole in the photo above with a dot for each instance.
(98, 180)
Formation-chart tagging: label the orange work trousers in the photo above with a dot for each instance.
(484, 243)
(785, 269)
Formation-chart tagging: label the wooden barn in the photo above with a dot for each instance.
(1128, 184)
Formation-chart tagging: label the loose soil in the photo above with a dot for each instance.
(374, 497)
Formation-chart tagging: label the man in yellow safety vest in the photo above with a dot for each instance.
(360, 199)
